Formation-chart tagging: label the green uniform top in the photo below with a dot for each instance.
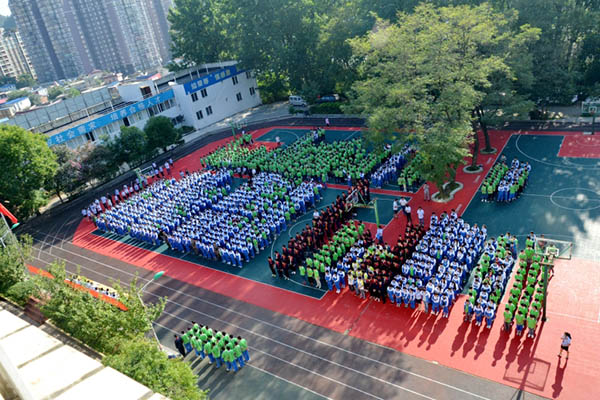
(520, 318)
(534, 313)
(531, 322)
(309, 272)
(185, 338)
(237, 351)
(316, 273)
(243, 344)
(216, 351)
(302, 270)
(508, 316)
(227, 355)
(208, 347)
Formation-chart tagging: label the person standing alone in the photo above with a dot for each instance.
(565, 343)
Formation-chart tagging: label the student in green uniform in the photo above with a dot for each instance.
(244, 346)
(216, 352)
(531, 324)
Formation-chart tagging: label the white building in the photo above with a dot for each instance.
(11, 107)
(196, 97)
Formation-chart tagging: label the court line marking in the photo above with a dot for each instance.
(227, 323)
(278, 327)
(246, 364)
(566, 165)
(166, 255)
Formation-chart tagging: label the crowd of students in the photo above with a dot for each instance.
(324, 224)
(504, 183)
(527, 293)
(392, 167)
(410, 179)
(219, 347)
(490, 279)
(199, 214)
(427, 268)
(94, 286)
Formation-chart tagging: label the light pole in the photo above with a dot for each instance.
(154, 278)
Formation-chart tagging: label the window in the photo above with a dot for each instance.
(238, 97)
(252, 91)
(203, 93)
(235, 80)
(199, 114)
(248, 75)
(208, 110)
(194, 96)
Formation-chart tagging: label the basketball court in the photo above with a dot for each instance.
(560, 201)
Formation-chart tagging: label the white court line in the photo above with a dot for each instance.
(252, 366)
(573, 316)
(166, 255)
(477, 179)
(254, 349)
(279, 327)
(291, 347)
(550, 163)
(458, 208)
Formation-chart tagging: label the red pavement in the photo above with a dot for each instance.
(580, 146)
(528, 364)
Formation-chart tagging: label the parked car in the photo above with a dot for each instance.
(330, 98)
(297, 101)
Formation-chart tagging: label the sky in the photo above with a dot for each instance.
(4, 7)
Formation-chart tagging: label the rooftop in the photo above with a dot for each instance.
(50, 366)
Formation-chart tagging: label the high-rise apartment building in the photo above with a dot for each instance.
(48, 37)
(14, 60)
(158, 11)
(69, 37)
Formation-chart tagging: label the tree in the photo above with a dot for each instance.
(35, 99)
(130, 146)
(421, 79)
(292, 45)
(98, 163)
(54, 92)
(69, 175)
(25, 80)
(140, 359)
(72, 92)
(160, 133)
(97, 323)
(27, 163)
(12, 267)
(17, 94)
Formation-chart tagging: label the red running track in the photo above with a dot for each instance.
(528, 364)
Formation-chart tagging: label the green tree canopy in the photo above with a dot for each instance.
(422, 77)
(99, 324)
(25, 80)
(16, 94)
(160, 133)
(69, 175)
(130, 146)
(140, 359)
(27, 163)
(98, 163)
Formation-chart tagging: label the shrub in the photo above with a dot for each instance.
(326, 108)
(20, 292)
(140, 359)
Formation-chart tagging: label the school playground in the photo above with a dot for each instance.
(561, 201)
